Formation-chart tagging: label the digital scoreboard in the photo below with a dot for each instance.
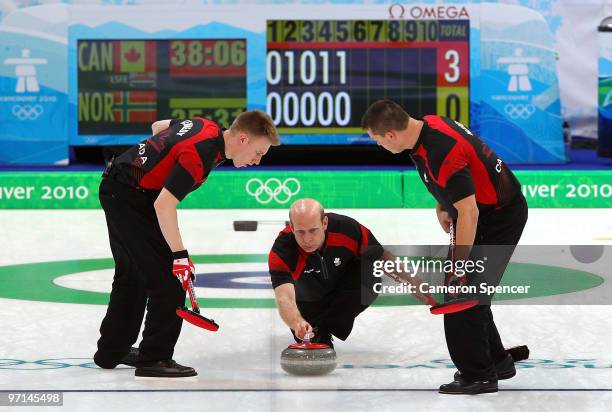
(323, 74)
(125, 85)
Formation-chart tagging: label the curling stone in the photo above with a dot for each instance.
(308, 359)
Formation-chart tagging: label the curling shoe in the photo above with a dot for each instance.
(165, 369)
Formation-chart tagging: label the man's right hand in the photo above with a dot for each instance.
(301, 328)
(444, 219)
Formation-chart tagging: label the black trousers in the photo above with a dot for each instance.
(336, 313)
(472, 338)
(143, 279)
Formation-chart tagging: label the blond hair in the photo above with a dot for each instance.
(256, 124)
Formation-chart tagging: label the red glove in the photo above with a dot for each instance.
(182, 268)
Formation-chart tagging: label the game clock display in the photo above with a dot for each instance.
(322, 74)
(125, 85)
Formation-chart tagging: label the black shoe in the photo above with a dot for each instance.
(505, 369)
(464, 387)
(131, 358)
(321, 336)
(165, 369)
(519, 353)
(103, 360)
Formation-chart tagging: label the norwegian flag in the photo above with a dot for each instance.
(135, 107)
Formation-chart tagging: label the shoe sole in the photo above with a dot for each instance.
(492, 390)
(142, 374)
(505, 376)
(165, 379)
(519, 353)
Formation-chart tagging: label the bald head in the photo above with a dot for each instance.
(306, 209)
(308, 223)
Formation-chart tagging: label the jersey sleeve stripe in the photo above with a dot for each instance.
(365, 238)
(485, 191)
(276, 263)
(342, 240)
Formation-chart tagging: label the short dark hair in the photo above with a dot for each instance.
(258, 124)
(383, 116)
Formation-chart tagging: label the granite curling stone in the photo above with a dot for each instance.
(308, 359)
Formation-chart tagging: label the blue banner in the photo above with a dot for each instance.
(520, 111)
(33, 92)
(605, 89)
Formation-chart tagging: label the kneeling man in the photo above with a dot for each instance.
(321, 270)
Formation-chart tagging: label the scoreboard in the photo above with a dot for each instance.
(322, 75)
(125, 85)
(315, 78)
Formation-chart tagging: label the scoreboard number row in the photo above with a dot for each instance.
(308, 64)
(309, 109)
(223, 117)
(366, 30)
(304, 65)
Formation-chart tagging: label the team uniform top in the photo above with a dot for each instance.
(315, 275)
(454, 164)
(179, 158)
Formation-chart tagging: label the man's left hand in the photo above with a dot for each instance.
(182, 268)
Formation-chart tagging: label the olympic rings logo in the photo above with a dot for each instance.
(519, 110)
(59, 363)
(273, 189)
(401, 10)
(27, 112)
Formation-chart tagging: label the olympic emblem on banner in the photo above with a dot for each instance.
(273, 189)
(396, 11)
(519, 110)
(27, 111)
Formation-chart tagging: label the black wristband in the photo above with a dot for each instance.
(181, 254)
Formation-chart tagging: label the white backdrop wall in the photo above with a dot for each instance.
(572, 22)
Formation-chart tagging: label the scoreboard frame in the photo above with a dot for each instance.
(124, 85)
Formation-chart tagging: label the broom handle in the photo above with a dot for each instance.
(452, 241)
(431, 301)
(192, 297)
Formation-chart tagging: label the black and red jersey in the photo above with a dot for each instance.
(454, 164)
(178, 158)
(316, 275)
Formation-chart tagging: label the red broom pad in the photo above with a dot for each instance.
(197, 319)
(452, 306)
(457, 304)
(193, 316)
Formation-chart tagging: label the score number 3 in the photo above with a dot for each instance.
(452, 57)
